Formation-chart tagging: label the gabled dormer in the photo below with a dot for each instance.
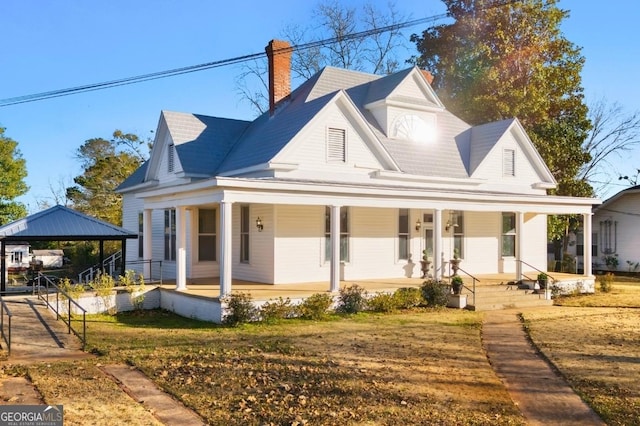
(405, 106)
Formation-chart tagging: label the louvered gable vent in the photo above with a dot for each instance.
(509, 162)
(336, 145)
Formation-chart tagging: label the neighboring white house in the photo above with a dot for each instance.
(616, 227)
(350, 176)
(17, 257)
(50, 258)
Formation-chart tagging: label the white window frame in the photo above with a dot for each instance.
(245, 234)
(404, 234)
(510, 233)
(170, 235)
(207, 234)
(345, 234)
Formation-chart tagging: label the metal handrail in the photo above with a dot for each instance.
(82, 336)
(108, 263)
(4, 308)
(150, 262)
(473, 291)
(536, 269)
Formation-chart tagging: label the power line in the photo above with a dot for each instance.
(224, 62)
(208, 65)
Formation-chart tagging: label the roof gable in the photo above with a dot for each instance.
(201, 142)
(487, 141)
(341, 103)
(400, 89)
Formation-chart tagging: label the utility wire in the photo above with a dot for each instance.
(224, 62)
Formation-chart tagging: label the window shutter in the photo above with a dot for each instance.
(336, 150)
(509, 162)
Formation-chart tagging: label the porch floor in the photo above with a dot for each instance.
(210, 287)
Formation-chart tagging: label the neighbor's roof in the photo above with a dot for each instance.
(61, 223)
(631, 190)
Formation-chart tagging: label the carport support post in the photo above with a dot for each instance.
(101, 245)
(335, 249)
(3, 267)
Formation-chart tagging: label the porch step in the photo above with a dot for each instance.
(505, 297)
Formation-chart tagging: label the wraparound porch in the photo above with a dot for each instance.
(210, 287)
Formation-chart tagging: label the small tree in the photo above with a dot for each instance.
(103, 285)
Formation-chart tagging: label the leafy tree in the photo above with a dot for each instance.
(503, 59)
(12, 183)
(377, 53)
(106, 164)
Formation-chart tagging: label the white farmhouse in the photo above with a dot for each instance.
(349, 177)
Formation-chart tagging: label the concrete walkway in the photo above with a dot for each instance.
(38, 337)
(544, 398)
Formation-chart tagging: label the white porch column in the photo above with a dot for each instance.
(225, 248)
(437, 244)
(587, 232)
(147, 243)
(334, 279)
(181, 248)
(519, 243)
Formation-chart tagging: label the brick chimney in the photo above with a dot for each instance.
(428, 76)
(279, 56)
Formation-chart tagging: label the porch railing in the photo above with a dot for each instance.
(472, 290)
(154, 275)
(45, 287)
(5, 336)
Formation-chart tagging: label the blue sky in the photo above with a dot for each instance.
(47, 45)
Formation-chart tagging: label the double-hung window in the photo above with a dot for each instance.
(140, 235)
(344, 234)
(244, 234)
(206, 235)
(170, 234)
(457, 224)
(508, 234)
(403, 234)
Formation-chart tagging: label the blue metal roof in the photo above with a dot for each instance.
(61, 223)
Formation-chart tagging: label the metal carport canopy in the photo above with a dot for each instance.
(59, 223)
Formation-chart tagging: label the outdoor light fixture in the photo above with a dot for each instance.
(259, 224)
(418, 225)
